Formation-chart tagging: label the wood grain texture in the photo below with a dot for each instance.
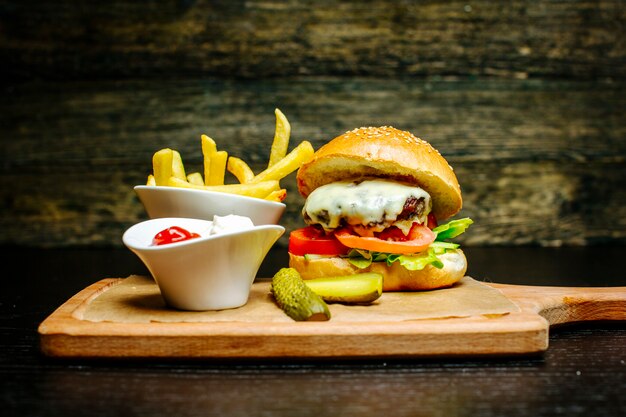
(91, 91)
(257, 39)
(66, 334)
(538, 162)
(74, 139)
(581, 374)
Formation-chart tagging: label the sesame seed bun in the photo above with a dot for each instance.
(384, 152)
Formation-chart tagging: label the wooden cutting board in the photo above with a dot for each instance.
(67, 333)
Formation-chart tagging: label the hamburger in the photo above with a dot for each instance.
(374, 199)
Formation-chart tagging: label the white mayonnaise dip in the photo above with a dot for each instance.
(230, 223)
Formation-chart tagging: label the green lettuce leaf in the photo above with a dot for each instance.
(418, 261)
(360, 262)
(362, 258)
(442, 247)
(413, 262)
(452, 229)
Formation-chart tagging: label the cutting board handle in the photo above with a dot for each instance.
(559, 305)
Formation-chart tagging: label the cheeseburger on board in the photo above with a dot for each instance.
(374, 197)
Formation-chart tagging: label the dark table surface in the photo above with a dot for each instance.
(583, 373)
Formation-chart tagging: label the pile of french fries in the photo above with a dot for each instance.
(169, 170)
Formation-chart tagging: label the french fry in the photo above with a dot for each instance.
(195, 178)
(240, 169)
(299, 155)
(169, 170)
(208, 149)
(178, 169)
(218, 168)
(278, 195)
(162, 166)
(259, 190)
(281, 139)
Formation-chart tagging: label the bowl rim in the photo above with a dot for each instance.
(189, 242)
(240, 197)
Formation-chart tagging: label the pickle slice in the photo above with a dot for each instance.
(348, 289)
(296, 299)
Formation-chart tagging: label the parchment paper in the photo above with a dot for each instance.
(137, 299)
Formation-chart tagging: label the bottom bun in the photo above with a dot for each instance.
(395, 277)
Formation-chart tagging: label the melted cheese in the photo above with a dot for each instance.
(372, 204)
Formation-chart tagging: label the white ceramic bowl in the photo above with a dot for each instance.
(212, 272)
(161, 201)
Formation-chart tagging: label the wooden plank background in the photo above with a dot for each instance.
(525, 99)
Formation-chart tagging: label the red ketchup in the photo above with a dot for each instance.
(173, 234)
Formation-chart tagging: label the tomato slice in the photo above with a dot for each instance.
(422, 238)
(395, 234)
(312, 241)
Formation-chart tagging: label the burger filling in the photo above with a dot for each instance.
(367, 207)
(374, 220)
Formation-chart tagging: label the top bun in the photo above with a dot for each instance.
(384, 152)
